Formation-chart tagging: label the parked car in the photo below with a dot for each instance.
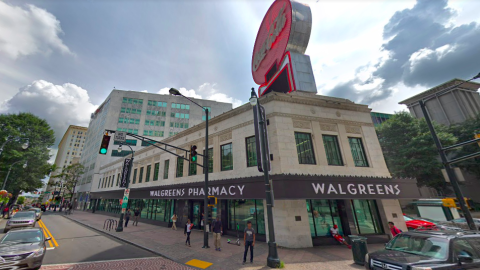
(21, 219)
(432, 250)
(441, 225)
(414, 224)
(463, 222)
(38, 212)
(23, 249)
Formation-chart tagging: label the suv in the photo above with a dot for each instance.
(428, 250)
(21, 219)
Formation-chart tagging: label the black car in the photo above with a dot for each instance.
(22, 249)
(428, 250)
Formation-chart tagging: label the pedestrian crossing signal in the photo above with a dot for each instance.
(104, 145)
(193, 153)
(212, 200)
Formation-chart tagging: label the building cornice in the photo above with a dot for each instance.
(469, 86)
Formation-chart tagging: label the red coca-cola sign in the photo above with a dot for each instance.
(272, 39)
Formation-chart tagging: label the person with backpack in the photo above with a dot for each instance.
(393, 229)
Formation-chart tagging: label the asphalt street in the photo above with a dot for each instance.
(74, 243)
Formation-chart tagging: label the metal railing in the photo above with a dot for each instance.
(110, 224)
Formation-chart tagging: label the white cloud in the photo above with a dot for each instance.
(28, 30)
(205, 91)
(60, 105)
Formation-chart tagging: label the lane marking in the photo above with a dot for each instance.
(48, 231)
(198, 263)
(45, 234)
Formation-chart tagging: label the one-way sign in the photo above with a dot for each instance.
(120, 136)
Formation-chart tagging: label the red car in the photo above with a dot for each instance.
(414, 224)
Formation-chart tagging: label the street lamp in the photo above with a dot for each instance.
(175, 92)
(120, 222)
(6, 178)
(11, 138)
(272, 259)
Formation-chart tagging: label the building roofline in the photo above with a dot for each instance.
(199, 99)
(472, 86)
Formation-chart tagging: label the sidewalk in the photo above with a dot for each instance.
(171, 244)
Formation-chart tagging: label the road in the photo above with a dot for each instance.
(74, 243)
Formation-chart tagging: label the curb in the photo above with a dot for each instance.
(126, 241)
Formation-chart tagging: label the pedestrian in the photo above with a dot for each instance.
(127, 217)
(248, 241)
(136, 216)
(202, 223)
(5, 211)
(217, 233)
(393, 229)
(338, 237)
(174, 221)
(187, 231)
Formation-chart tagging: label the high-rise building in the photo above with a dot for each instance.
(448, 108)
(152, 115)
(70, 150)
(379, 118)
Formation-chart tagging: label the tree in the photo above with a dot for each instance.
(465, 132)
(21, 199)
(410, 151)
(41, 137)
(70, 176)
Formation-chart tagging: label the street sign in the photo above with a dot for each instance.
(120, 136)
(125, 173)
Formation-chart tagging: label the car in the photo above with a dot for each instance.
(21, 219)
(414, 224)
(38, 212)
(441, 225)
(462, 222)
(23, 248)
(428, 250)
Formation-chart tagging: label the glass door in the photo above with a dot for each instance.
(196, 214)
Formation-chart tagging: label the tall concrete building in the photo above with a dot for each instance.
(451, 107)
(379, 118)
(69, 152)
(152, 115)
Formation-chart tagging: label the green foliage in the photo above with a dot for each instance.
(41, 137)
(70, 176)
(282, 264)
(465, 132)
(21, 200)
(410, 151)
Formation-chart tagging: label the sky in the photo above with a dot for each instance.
(60, 59)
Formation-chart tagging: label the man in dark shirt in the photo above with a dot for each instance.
(249, 241)
(127, 217)
(217, 233)
(136, 216)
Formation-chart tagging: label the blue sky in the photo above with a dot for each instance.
(60, 59)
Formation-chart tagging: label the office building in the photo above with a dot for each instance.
(152, 115)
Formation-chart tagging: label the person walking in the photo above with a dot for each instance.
(393, 229)
(202, 224)
(174, 221)
(217, 233)
(127, 217)
(136, 216)
(5, 211)
(187, 231)
(248, 241)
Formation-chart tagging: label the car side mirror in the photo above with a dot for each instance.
(48, 239)
(464, 259)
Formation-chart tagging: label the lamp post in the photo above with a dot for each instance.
(441, 150)
(273, 260)
(120, 222)
(10, 138)
(175, 92)
(6, 178)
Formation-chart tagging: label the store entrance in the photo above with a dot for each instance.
(197, 211)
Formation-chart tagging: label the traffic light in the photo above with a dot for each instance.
(193, 153)
(212, 200)
(104, 145)
(477, 136)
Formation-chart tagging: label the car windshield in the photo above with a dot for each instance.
(35, 209)
(459, 220)
(23, 237)
(428, 246)
(29, 214)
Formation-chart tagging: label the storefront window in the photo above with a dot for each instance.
(358, 152)
(251, 152)
(323, 214)
(134, 176)
(147, 176)
(367, 219)
(227, 157)
(304, 148)
(332, 150)
(241, 211)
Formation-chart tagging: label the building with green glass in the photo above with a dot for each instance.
(379, 118)
(327, 168)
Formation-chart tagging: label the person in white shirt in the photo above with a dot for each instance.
(187, 231)
(338, 237)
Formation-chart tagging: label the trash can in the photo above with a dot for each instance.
(359, 248)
